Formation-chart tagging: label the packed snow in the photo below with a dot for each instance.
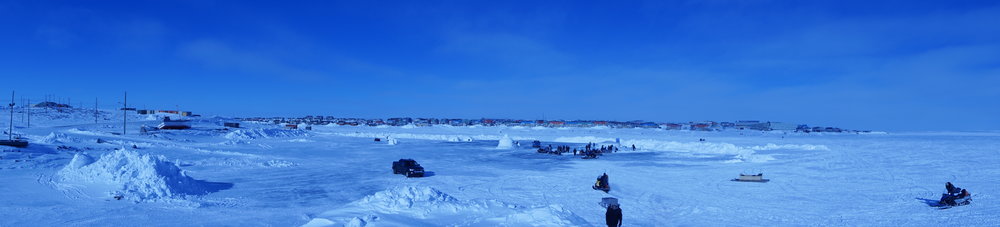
(78, 172)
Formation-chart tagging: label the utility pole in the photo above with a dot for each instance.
(95, 110)
(125, 114)
(29, 112)
(10, 130)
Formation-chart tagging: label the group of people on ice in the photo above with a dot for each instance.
(592, 151)
(955, 196)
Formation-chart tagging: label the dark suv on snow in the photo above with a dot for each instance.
(407, 167)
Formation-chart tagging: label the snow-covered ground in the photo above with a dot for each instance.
(77, 172)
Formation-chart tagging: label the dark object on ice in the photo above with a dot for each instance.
(99, 140)
(118, 197)
(378, 139)
(536, 144)
(602, 183)
(14, 143)
(752, 178)
(955, 196)
(407, 167)
(613, 217)
(231, 124)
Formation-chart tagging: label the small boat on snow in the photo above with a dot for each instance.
(752, 178)
(174, 124)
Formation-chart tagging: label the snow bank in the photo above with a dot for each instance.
(425, 206)
(740, 153)
(439, 137)
(244, 135)
(805, 147)
(584, 139)
(133, 176)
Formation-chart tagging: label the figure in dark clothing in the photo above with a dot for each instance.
(950, 188)
(633, 147)
(614, 216)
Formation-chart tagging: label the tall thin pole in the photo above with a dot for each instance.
(29, 112)
(10, 131)
(124, 114)
(95, 110)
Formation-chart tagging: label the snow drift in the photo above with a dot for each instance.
(133, 176)
(740, 153)
(245, 135)
(425, 206)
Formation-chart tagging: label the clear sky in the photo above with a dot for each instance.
(883, 65)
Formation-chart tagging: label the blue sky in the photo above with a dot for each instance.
(887, 65)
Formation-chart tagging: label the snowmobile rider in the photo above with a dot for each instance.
(614, 216)
(951, 189)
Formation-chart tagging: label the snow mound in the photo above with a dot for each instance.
(80, 160)
(392, 141)
(133, 176)
(58, 137)
(505, 143)
(425, 206)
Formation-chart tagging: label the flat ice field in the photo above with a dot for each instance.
(78, 173)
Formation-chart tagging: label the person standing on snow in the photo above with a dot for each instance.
(614, 216)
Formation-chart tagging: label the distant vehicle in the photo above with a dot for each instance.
(407, 167)
(378, 140)
(536, 144)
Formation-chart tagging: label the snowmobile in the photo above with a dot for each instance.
(949, 200)
(602, 183)
(536, 144)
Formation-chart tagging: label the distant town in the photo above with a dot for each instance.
(426, 122)
(308, 121)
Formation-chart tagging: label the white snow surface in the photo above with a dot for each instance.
(418, 205)
(265, 175)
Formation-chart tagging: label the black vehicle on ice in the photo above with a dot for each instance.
(407, 167)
